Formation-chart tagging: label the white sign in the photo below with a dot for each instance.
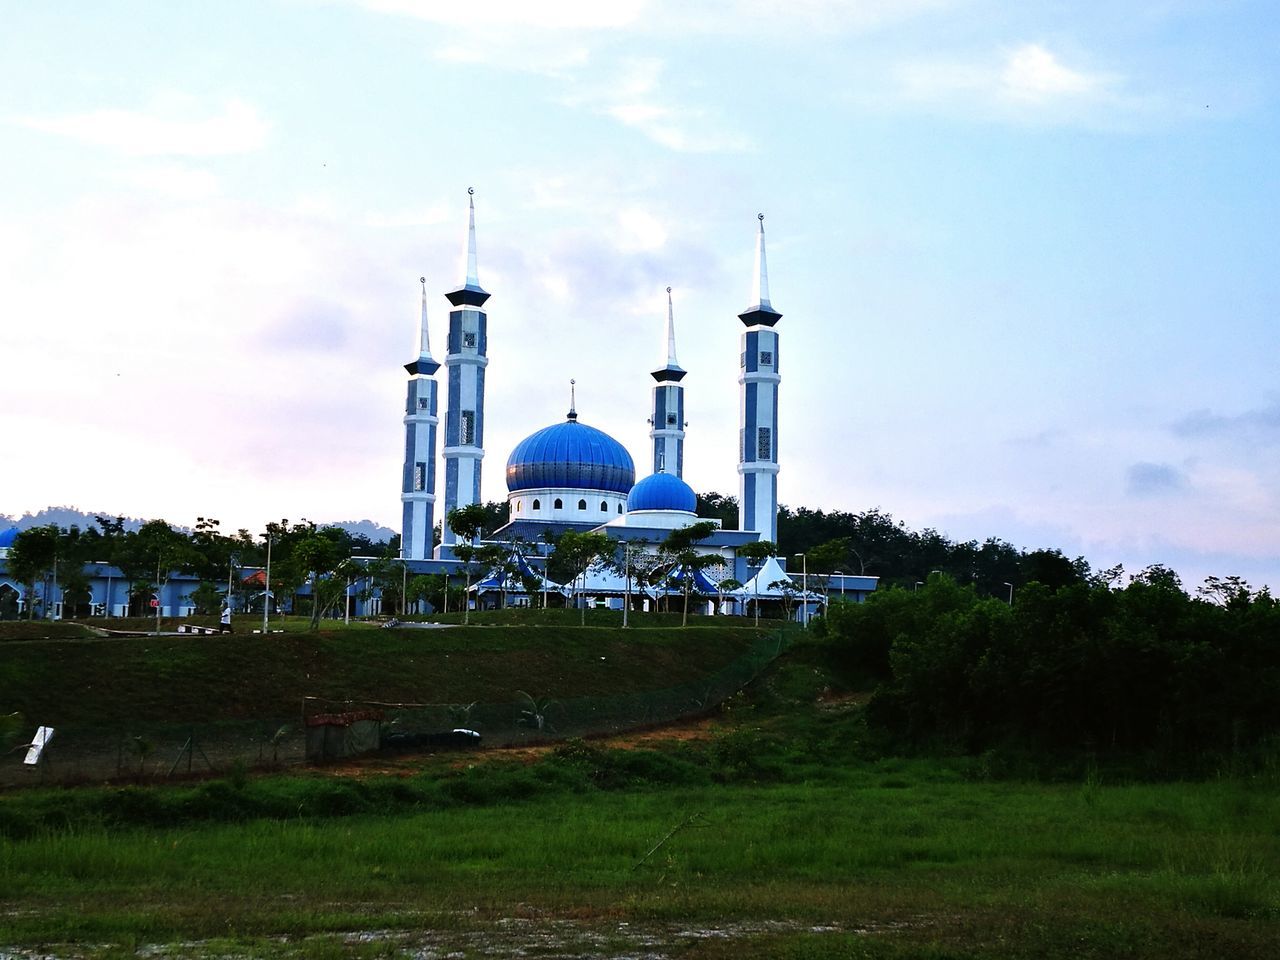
(43, 736)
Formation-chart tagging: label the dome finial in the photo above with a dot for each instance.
(573, 402)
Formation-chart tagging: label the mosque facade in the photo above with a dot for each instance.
(573, 476)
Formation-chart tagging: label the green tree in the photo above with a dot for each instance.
(156, 549)
(316, 555)
(681, 549)
(467, 523)
(32, 559)
(576, 551)
(756, 553)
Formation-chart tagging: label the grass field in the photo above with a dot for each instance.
(780, 830)
(886, 858)
(142, 681)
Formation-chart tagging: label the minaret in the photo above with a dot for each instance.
(758, 407)
(465, 360)
(418, 488)
(666, 424)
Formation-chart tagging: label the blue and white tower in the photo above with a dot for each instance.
(666, 424)
(418, 487)
(758, 407)
(465, 361)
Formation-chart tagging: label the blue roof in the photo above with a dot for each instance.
(662, 491)
(572, 455)
(7, 537)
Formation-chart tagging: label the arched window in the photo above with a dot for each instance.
(619, 508)
(518, 503)
(582, 504)
(537, 504)
(604, 507)
(559, 504)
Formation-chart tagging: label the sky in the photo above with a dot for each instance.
(1025, 252)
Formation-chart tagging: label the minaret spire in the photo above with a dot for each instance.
(758, 381)
(418, 485)
(473, 276)
(761, 312)
(666, 422)
(573, 401)
(671, 334)
(470, 294)
(424, 349)
(466, 357)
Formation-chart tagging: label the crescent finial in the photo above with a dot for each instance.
(760, 217)
(471, 191)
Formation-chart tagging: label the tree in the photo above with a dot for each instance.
(467, 523)
(576, 551)
(681, 548)
(316, 555)
(32, 558)
(155, 548)
(757, 552)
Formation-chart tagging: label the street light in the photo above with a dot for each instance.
(804, 589)
(1010, 586)
(266, 586)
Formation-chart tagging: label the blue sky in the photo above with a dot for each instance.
(1024, 252)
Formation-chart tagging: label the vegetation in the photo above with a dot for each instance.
(135, 683)
(802, 839)
(1144, 671)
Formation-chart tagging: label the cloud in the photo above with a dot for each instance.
(1260, 422)
(1026, 82)
(161, 130)
(632, 95)
(1153, 479)
(1033, 73)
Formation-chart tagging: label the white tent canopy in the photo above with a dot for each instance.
(759, 585)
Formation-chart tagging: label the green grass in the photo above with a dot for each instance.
(144, 681)
(42, 630)
(935, 862)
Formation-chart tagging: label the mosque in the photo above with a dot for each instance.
(573, 476)
(566, 476)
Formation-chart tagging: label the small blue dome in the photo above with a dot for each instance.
(662, 491)
(571, 455)
(7, 537)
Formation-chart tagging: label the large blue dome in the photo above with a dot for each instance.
(570, 455)
(662, 491)
(7, 537)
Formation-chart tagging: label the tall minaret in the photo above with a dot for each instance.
(465, 360)
(666, 425)
(758, 417)
(418, 488)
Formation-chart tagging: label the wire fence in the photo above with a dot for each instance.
(533, 716)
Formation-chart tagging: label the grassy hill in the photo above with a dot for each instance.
(140, 681)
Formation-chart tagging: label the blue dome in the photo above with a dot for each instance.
(662, 491)
(7, 537)
(573, 455)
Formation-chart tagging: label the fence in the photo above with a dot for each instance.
(529, 717)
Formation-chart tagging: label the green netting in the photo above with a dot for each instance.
(530, 716)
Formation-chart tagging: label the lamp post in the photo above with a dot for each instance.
(804, 589)
(1010, 586)
(404, 584)
(266, 587)
(626, 570)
